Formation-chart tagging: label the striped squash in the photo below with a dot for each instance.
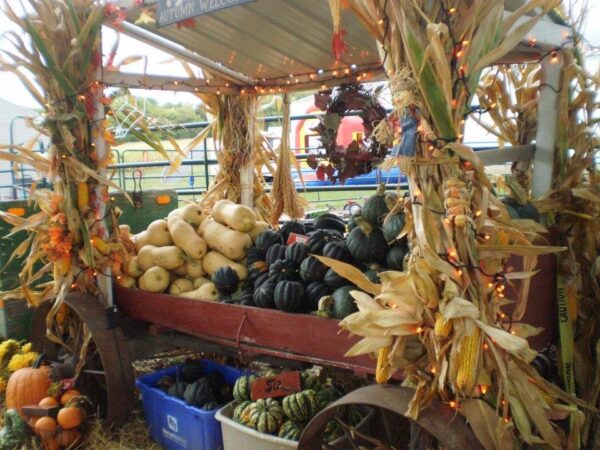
(266, 416)
(242, 388)
(301, 406)
(291, 430)
(241, 413)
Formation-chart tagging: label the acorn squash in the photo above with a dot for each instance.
(395, 258)
(264, 295)
(226, 280)
(366, 243)
(282, 269)
(314, 292)
(296, 253)
(318, 238)
(375, 208)
(275, 253)
(312, 269)
(266, 239)
(330, 222)
(291, 226)
(337, 250)
(289, 296)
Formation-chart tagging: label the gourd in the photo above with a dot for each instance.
(366, 243)
(125, 281)
(375, 208)
(337, 250)
(226, 280)
(200, 281)
(14, 431)
(132, 267)
(28, 385)
(69, 417)
(241, 413)
(266, 416)
(178, 389)
(291, 430)
(155, 279)
(194, 269)
(231, 243)
(169, 257)
(296, 252)
(289, 296)
(330, 222)
(340, 304)
(243, 388)
(301, 406)
(333, 280)
(213, 260)
(181, 285)
(395, 258)
(268, 238)
(198, 393)
(156, 234)
(291, 226)
(191, 213)
(312, 269)
(185, 237)
(318, 238)
(238, 217)
(256, 269)
(275, 252)
(258, 228)
(264, 296)
(283, 269)
(314, 292)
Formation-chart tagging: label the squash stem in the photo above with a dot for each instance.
(381, 189)
(364, 226)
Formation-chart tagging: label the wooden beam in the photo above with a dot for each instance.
(498, 156)
(547, 34)
(166, 83)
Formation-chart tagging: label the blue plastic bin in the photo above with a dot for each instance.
(175, 425)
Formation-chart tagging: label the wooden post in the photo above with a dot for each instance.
(247, 170)
(543, 162)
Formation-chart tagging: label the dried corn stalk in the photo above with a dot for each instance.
(462, 232)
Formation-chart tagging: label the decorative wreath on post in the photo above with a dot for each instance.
(360, 156)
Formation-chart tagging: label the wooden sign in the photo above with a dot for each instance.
(40, 411)
(172, 11)
(285, 383)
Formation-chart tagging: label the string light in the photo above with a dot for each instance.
(554, 57)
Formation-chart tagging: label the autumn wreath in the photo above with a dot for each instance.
(361, 155)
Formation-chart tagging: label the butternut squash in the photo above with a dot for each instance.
(126, 281)
(238, 217)
(181, 285)
(185, 237)
(132, 267)
(231, 243)
(169, 258)
(192, 213)
(200, 281)
(194, 269)
(213, 260)
(155, 279)
(156, 234)
(180, 272)
(258, 228)
(208, 291)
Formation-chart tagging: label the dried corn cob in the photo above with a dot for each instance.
(442, 327)
(83, 195)
(382, 373)
(470, 346)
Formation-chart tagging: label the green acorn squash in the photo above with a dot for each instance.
(330, 222)
(289, 296)
(337, 250)
(254, 255)
(339, 304)
(199, 393)
(395, 258)
(312, 269)
(264, 295)
(375, 208)
(256, 269)
(314, 292)
(226, 280)
(275, 253)
(333, 280)
(366, 243)
(392, 227)
(291, 226)
(266, 239)
(283, 270)
(178, 389)
(247, 298)
(318, 238)
(296, 252)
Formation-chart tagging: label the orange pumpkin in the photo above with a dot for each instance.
(68, 438)
(46, 427)
(31, 422)
(27, 386)
(69, 395)
(48, 401)
(70, 417)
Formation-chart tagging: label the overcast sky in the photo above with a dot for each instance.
(12, 90)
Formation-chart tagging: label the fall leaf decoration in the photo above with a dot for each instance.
(361, 155)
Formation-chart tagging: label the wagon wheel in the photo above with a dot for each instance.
(107, 376)
(438, 426)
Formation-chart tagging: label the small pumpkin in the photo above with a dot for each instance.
(243, 388)
(264, 295)
(226, 280)
(68, 438)
(48, 401)
(283, 270)
(199, 393)
(46, 426)
(395, 258)
(330, 222)
(291, 226)
(266, 239)
(14, 431)
(312, 269)
(296, 252)
(266, 416)
(69, 395)
(333, 280)
(301, 406)
(375, 208)
(366, 243)
(337, 250)
(27, 386)
(275, 253)
(289, 296)
(314, 292)
(178, 389)
(318, 238)
(69, 417)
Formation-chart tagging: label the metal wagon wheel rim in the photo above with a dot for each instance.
(107, 373)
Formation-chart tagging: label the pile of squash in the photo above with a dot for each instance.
(181, 253)
(286, 417)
